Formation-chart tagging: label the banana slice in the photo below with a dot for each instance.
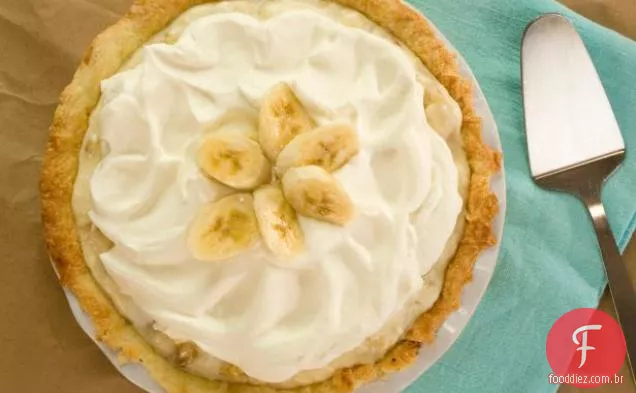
(281, 118)
(315, 193)
(329, 147)
(186, 352)
(224, 228)
(277, 221)
(234, 159)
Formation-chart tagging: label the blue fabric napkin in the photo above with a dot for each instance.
(549, 262)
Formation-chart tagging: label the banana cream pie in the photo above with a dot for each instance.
(267, 195)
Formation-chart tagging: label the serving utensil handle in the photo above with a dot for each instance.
(620, 285)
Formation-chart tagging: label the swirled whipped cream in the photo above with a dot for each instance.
(273, 320)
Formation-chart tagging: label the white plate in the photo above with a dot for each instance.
(473, 292)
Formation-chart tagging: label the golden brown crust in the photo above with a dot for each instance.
(104, 57)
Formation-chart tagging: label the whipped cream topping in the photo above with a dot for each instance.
(269, 318)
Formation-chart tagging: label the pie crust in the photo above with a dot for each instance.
(108, 52)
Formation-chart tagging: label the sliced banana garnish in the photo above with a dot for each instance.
(234, 159)
(281, 118)
(277, 221)
(329, 147)
(224, 228)
(236, 154)
(315, 193)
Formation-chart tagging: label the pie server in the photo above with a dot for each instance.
(574, 142)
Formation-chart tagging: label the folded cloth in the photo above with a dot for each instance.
(549, 261)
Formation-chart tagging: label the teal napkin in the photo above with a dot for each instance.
(548, 263)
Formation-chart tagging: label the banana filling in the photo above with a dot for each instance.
(271, 190)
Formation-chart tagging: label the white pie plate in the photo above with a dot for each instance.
(452, 328)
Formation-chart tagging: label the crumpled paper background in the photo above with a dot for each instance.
(41, 43)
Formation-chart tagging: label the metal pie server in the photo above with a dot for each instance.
(574, 142)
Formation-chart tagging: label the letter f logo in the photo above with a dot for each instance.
(583, 344)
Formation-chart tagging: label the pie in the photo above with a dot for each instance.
(268, 195)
